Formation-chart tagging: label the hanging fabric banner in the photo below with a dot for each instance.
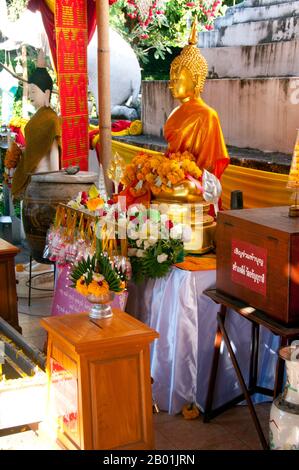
(71, 41)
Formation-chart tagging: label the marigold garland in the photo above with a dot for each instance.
(11, 160)
(12, 156)
(159, 172)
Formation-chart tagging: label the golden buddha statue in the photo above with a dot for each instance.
(194, 126)
(187, 175)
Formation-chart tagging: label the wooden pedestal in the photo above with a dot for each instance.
(8, 291)
(100, 378)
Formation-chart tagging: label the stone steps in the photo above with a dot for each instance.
(252, 33)
(257, 3)
(244, 14)
(251, 23)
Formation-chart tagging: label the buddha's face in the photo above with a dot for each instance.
(38, 97)
(181, 84)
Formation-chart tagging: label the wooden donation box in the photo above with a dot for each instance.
(8, 291)
(258, 260)
(100, 384)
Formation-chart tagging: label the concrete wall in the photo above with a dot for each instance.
(157, 103)
(256, 113)
(277, 59)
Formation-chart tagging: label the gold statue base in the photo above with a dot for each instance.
(202, 240)
(188, 207)
(294, 211)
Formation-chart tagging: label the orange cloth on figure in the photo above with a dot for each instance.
(195, 127)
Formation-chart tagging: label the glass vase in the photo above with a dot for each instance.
(284, 416)
(101, 305)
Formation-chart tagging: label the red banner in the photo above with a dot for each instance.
(71, 40)
(249, 266)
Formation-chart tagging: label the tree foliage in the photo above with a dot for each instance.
(165, 31)
(15, 8)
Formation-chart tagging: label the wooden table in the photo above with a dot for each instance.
(100, 379)
(8, 291)
(257, 318)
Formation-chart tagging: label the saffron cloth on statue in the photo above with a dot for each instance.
(194, 126)
(42, 134)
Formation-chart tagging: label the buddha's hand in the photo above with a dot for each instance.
(211, 188)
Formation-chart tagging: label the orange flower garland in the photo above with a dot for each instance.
(159, 172)
(190, 411)
(12, 156)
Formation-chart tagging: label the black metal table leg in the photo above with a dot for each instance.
(242, 384)
(213, 374)
(253, 372)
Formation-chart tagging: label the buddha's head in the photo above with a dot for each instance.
(40, 84)
(189, 70)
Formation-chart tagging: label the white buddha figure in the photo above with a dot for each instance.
(42, 133)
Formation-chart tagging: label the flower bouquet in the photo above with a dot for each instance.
(155, 242)
(91, 201)
(99, 279)
(73, 234)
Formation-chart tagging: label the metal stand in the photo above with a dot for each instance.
(29, 282)
(257, 318)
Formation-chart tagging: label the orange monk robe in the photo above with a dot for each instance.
(195, 127)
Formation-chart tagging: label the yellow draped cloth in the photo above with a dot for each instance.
(40, 132)
(260, 188)
(195, 127)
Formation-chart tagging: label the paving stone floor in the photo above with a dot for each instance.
(233, 430)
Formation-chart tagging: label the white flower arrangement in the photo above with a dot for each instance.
(155, 242)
